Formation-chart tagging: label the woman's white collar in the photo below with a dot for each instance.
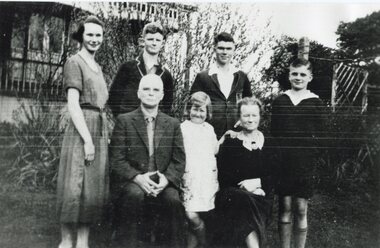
(256, 142)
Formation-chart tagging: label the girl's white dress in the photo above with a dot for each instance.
(200, 180)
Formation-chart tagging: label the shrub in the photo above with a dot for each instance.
(37, 133)
(6, 141)
(347, 162)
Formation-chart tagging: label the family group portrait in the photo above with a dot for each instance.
(189, 125)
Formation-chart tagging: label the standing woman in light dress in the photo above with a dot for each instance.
(83, 181)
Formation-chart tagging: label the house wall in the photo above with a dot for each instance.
(8, 105)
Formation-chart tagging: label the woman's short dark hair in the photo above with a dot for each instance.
(78, 34)
(223, 36)
(199, 99)
(249, 101)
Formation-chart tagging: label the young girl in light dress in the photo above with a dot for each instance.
(200, 180)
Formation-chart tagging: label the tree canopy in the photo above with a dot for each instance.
(360, 38)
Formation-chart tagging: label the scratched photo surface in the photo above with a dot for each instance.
(73, 134)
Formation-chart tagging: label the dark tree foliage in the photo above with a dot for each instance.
(322, 59)
(360, 38)
(284, 51)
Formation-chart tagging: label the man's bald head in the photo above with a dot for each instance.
(151, 90)
(151, 78)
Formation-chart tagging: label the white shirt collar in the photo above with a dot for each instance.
(214, 69)
(149, 61)
(297, 99)
(147, 115)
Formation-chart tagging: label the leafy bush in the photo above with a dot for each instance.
(347, 162)
(6, 141)
(37, 133)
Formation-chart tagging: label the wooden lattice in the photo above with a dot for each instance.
(348, 84)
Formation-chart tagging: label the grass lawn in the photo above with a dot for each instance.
(28, 220)
(344, 220)
(339, 220)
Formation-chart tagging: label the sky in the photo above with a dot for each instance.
(318, 21)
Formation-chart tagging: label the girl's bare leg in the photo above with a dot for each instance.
(67, 236)
(83, 233)
(252, 241)
(197, 235)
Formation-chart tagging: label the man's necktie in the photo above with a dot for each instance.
(150, 131)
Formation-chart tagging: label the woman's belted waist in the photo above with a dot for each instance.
(91, 107)
(102, 114)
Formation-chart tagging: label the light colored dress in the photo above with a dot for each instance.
(200, 180)
(82, 190)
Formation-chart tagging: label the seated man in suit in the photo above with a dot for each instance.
(147, 164)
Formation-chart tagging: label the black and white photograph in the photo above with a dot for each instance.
(202, 124)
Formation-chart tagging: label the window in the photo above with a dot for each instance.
(45, 33)
(55, 31)
(18, 33)
(36, 45)
(36, 33)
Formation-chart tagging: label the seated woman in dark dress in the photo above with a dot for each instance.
(244, 202)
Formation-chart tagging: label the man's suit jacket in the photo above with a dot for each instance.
(123, 91)
(224, 110)
(129, 149)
